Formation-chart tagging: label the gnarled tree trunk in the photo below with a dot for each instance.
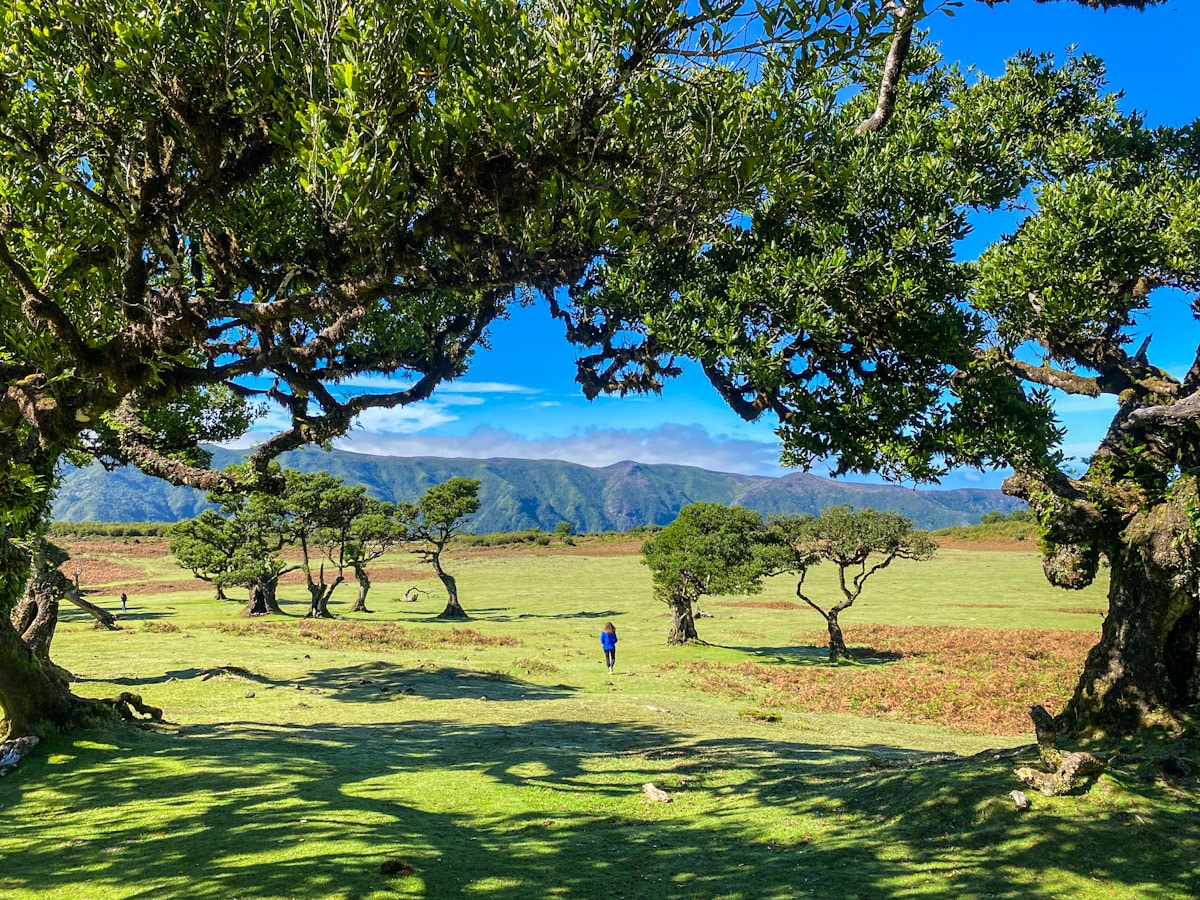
(453, 609)
(319, 593)
(837, 644)
(364, 585)
(262, 599)
(683, 622)
(34, 696)
(1145, 666)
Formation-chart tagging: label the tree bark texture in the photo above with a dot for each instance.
(364, 585)
(683, 622)
(1145, 665)
(262, 599)
(319, 593)
(837, 644)
(34, 697)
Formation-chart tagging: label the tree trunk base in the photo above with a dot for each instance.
(453, 612)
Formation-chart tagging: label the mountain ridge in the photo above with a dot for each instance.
(518, 494)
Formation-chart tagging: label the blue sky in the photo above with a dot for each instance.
(520, 399)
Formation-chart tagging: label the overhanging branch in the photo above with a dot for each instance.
(1067, 382)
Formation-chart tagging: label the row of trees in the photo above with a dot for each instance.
(210, 204)
(715, 549)
(323, 523)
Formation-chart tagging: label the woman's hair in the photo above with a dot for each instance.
(610, 628)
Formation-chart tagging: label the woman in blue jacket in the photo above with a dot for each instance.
(608, 640)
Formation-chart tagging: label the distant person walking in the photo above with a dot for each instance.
(124, 600)
(608, 640)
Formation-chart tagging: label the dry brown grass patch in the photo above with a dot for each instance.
(759, 604)
(340, 635)
(974, 680)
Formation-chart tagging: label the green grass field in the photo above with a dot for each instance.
(497, 758)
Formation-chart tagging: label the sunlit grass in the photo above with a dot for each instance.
(496, 758)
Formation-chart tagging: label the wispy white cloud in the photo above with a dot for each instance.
(387, 383)
(678, 444)
(405, 419)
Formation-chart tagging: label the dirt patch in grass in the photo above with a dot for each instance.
(582, 548)
(340, 635)
(974, 680)
(1081, 610)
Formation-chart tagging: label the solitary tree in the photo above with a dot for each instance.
(439, 515)
(372, 533)
(207, 545)
(861, 543)
(708, 549)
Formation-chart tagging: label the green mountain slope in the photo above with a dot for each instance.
(520, 493)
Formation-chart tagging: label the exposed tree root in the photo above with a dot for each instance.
(126, 704)
(1067, 766)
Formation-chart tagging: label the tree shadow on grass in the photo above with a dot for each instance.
(552, 806)
(796, 655)
(607, 614)
(382, 681)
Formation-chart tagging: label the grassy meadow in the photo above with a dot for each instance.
(390, 754)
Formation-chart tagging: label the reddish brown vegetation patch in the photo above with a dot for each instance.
(965, 679)
(335, 635)
(759, 604)
(994, 543)
(94, 572)
(129, 548)
(1081, 610)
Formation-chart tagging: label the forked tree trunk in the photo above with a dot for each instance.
(1145, 666)
(837, 643)
(364, 585)
(683, 622)
(453, 609)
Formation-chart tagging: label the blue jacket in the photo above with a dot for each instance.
(608, 641)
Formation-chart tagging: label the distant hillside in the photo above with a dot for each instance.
(520, 493)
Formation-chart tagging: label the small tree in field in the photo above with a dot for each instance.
(433, 520)
(207, 546)
(371, 534)
(860, 542)
(708, 549)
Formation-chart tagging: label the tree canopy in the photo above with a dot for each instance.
(839, 306)
(708, 549)
(212, 205)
